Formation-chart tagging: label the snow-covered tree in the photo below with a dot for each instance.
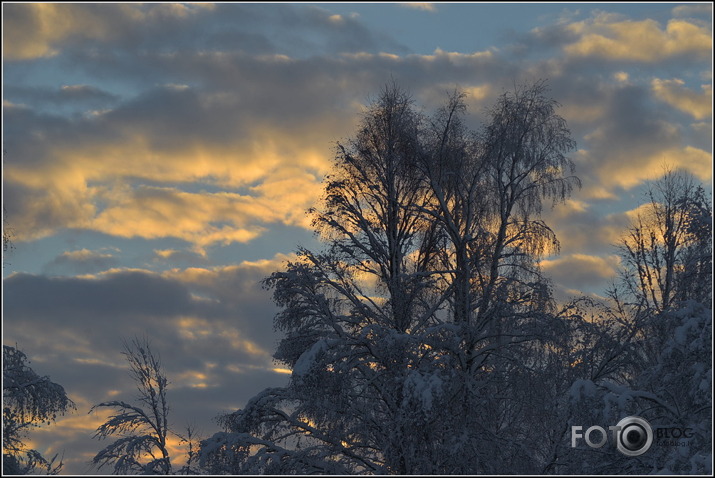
(652, 341)
(29, 400)
(354, 315)
(142, 430)
(414, 337)
(673, 389)
(667, 251)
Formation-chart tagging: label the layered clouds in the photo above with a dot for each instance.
(148, 148)
(212, 328)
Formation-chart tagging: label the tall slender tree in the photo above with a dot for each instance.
(142, 429)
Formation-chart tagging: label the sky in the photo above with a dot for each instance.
(158, 160)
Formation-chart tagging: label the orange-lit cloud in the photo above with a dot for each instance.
(201, 219)
(217, 127)
(280, 172)
(631, 148)
(698, 105)
(648, 167)
(41, 29)
(83, 260)
(455, 57)
(199, 321)
(195, 329)
(609, 37)
(581, 270)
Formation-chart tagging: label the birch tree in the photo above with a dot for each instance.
(488, 191)
(667, 250)
(652, 344)
(143, 429)
(401, 334)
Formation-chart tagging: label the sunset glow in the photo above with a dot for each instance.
(159, 160)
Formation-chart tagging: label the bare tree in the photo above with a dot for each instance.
(7, 234)
(29, 400)
(647, 350)
(667, 251)
(142, 430)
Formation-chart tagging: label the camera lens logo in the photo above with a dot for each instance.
(634, 436)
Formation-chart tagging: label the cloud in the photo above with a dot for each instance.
(673, 92)
(77, 173)
(68, 99)
(44, 29)
(632, 142)
(217, 161)
(94, 310)
(82, 261)
(610, 37)
(204, 219)
(174, 256)
(100, 299)
(581, 271)
(693, 10)
(212, 328)
(260, 145)
(582, 227)
(190, 127)
(626, 171)
(427, 7)
(49, 30)
(201, 219)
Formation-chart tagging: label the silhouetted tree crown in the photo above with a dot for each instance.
(29, 400)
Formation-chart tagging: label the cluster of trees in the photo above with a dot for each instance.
(415, 337)
(424, 338)
(140, 430)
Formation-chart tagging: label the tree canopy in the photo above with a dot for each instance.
(424, 338)
(29, 400)
(415, 336)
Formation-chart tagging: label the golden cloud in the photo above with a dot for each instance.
(165, 253)
(689, 158)
(698, 105)
(202, 219)
(631, 168)
(645, 41)
(214, 278)
(84, 255)
(35, 30)
(195, 329)
(640, 211)
(582, 268)
(621, 76)
(69, 187)
(457, 58)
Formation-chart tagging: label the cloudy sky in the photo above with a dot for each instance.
(158, 160)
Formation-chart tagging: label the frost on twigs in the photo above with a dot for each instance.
(142, 431)
(424, 338)
(29, 401)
